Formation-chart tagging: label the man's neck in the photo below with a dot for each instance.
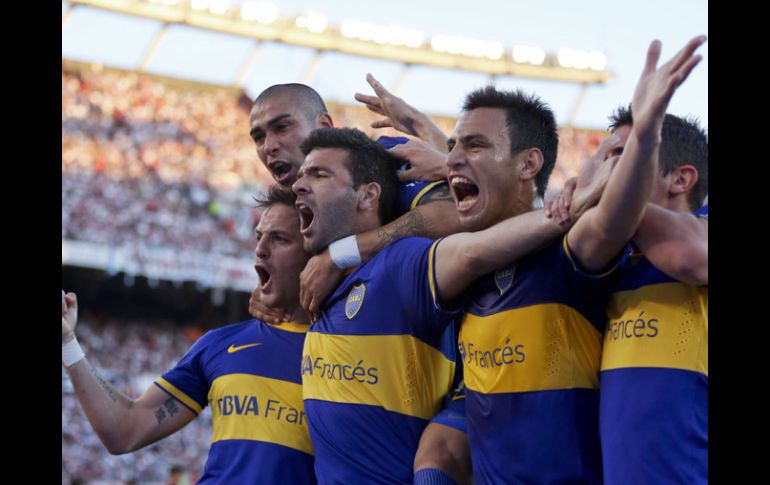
(297, 315)
(677, 204)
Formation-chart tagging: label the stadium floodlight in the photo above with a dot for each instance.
(249, 11)
(412, 37)
(524, 54)
(566, 57)
(441, 43)
(350, 28)
(455, 44)
(403, 36)
(312, 21)
(219, 6)
(381, 34)
(520, 53)
(199, 4)
(537, 56)
(493, 50)
(597, 61)
(582, 60)
(262, 12)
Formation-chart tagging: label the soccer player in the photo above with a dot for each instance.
(249, 372)
(531, 337)
(654, 379)
(378, 363)
(281, 117)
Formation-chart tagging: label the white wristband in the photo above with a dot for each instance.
(344, 252)
(71, 353)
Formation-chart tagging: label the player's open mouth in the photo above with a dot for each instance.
(306, 217)
(264, 276)
(281, 170)
(466, 192)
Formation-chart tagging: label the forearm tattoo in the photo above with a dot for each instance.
(105, 385)
(407, 225)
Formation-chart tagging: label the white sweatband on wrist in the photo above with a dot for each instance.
(344, 252)
(71, 353)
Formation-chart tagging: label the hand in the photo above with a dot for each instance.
(398, 114)
(558, 207)
(584, 191)
(316, 282)
(426, 163)
(593, 178)
(589, 191)
(258, 310)
(69, 316)
(656, 86)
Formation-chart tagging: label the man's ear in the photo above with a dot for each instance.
(531, 164)
(325, 120)
(369, 196)
(683, 179)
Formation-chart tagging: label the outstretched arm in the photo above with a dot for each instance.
(598, 237)
(123, 424)
(677, 243)
(461, 258)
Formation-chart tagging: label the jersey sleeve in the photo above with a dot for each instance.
(409, 266)
(186, 381)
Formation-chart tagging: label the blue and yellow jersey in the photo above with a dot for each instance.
(410, 194)
(376, 367)
(250, 374)
(654, 379)
(530, 343)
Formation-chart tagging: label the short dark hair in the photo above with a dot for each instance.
(367, 162)
(276, 195)
(309, 99)
(620, 117)
(683, 142)
(530, 122)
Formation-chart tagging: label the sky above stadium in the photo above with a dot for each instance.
(621, 30)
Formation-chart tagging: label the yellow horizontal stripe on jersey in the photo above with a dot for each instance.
(184, 398)
(398, 372)
(249, 407)
(534, 348)
(660, 325)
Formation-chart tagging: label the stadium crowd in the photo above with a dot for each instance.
(129, 353)
(145, 162)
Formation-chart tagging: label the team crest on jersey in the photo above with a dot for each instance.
(504, 278)
(355, 299)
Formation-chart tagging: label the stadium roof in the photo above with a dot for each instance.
(431, 58)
